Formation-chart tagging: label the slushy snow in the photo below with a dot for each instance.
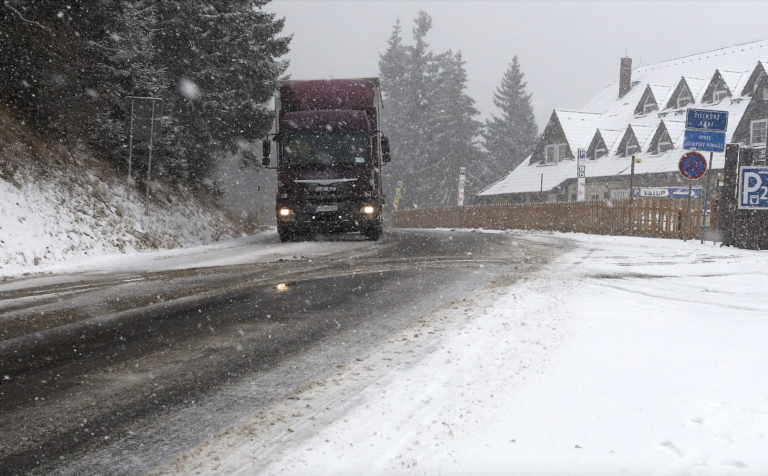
(626, 356)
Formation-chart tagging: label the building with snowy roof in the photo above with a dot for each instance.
(643, 115)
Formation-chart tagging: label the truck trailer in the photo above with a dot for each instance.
(330, 150)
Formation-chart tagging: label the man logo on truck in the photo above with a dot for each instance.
(329, 156)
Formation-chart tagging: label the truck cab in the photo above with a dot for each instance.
(330, 153)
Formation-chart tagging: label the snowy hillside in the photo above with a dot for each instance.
(59, 202)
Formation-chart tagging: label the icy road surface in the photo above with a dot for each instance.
(624, 356)
(116, 365)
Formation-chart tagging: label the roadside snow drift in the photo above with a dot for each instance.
(59, 203)
(628, 356)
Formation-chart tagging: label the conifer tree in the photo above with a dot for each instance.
(131, 66)
(510, 137)
(222, 58)
(428, 117)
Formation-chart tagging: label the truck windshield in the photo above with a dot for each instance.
(342, 149)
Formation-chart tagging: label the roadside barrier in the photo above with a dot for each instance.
(663, 218)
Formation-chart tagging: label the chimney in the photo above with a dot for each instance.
(625, 76)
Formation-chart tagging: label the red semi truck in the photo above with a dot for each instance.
(330, 150)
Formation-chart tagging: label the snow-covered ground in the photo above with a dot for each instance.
(58, 203)
(627, 356)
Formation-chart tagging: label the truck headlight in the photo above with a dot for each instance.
(284, 212)
(368, 209)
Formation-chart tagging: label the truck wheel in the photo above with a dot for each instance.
(373, 234)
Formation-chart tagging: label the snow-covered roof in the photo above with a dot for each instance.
(675, 130)
(612, 116)
(578, 127)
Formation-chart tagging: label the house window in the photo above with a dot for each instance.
(631, 150)
(553, 153)
(665, 142)
(649, 107)
(594, 196)
(720, 93)
(600, 152)
(758, 131)
(683, 100)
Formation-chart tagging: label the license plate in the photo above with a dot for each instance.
(327, 208)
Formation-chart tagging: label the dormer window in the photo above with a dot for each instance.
(683, 100)
(600, 153)
(665, 142)
(758, 131)
(553, 153)
(720, 93)
(647, 102)
(632, 149)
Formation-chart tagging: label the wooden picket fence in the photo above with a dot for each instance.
(663, 218)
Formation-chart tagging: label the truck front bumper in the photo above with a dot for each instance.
(328, 218)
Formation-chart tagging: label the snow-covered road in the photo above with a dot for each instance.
(627, 356)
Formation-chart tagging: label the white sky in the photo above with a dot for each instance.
(569, 51)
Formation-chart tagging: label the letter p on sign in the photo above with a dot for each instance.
(752, 183)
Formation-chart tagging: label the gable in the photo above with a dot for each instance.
(756, 75)
(756, 109)
(687, 87)
(636, 135)
(647, 99)
(553, 134)
(681, 90)
(715, 84)
(628, 140)
(596, 144)
(662, 140)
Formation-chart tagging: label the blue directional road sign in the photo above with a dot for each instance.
(704, 141)
(664, 192)
(753, 188)
(706, 120)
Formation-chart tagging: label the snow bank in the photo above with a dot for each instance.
(628, 356)
(57, 204)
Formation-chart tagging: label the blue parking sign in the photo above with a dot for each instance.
(753, 188)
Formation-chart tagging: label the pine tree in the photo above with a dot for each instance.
(131, 67)
(428, 117)
(453, 131)
(511, 137)
(222, 58)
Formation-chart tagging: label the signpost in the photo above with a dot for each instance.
(704, 130)
(581, 175)
(462, 177)
(144, 121)
(753, 188)
(692, 166)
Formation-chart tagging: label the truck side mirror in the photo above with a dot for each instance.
(385, 155)
(266, 150)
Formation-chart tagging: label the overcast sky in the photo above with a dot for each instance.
(569, 51)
